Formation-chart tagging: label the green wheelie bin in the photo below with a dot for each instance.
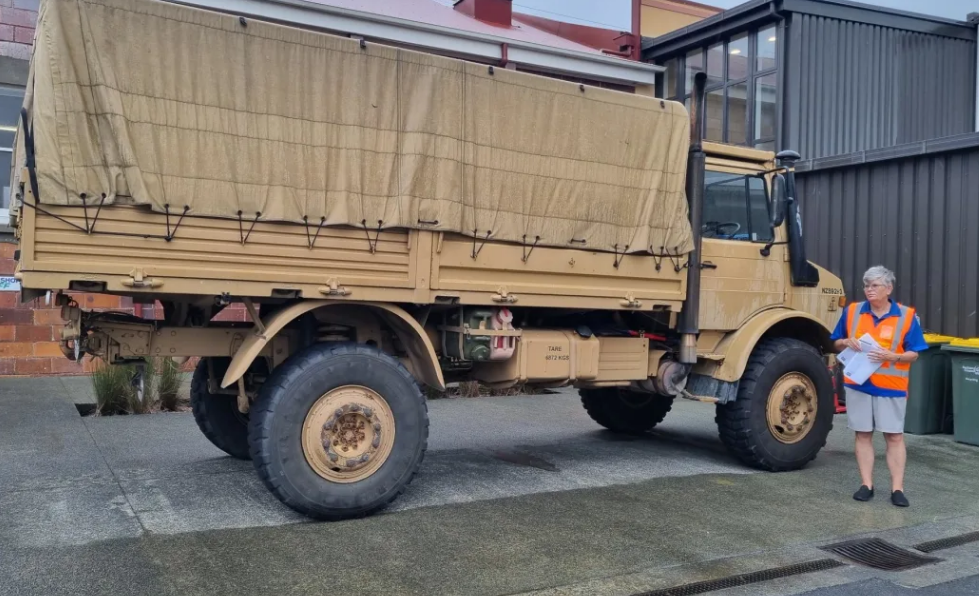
(929, 389)
(965, 389)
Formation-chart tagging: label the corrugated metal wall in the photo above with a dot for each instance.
(852, 86)
(918, 216)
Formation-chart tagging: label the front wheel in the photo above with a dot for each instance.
(784, 407)
(339, 431)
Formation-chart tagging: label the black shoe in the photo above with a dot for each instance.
(864, 494)
(899, 500)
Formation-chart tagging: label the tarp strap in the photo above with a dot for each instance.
(312, 240)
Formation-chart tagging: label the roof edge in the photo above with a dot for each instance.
(886, 11)
(719, 24)
(755, 11)
(314, 15)
(948, 144)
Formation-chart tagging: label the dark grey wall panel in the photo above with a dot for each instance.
(918, 216)
(854, 86)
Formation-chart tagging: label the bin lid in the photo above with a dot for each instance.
(961, 344)
(934, 339)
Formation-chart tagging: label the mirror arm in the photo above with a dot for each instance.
(767, 249)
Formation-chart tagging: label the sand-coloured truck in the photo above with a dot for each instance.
(393, 220)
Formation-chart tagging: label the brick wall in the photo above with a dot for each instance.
(17, 21)
(30, 333)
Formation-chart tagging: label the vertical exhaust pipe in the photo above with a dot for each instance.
(689, 326)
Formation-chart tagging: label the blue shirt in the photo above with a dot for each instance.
(914, 341)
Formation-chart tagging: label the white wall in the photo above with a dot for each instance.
(608, 14)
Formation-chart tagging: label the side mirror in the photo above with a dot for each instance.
(778, 200)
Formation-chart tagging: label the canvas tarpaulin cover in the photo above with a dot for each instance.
(172, 107)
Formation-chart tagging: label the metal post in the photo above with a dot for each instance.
(973, 17)
(696, 162)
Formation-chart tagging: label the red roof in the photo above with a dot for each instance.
(433, 13)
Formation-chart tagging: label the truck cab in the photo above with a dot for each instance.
(747, 267)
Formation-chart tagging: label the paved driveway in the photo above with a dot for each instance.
(517, 495)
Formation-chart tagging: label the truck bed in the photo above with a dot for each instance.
(126, 252)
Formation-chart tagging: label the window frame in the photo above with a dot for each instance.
(5, 211)
(750, 80)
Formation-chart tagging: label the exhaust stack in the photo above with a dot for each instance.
(689, 326)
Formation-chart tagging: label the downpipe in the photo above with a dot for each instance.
(689, 326)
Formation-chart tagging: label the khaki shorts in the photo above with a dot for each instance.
(867, 413)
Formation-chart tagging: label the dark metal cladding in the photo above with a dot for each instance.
(913, 209)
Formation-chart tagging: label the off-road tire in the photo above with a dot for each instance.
(623, 411)
(839, 383)
(278, 416)
(217, 415)
(743, 423)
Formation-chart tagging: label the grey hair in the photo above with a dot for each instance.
(885, 275)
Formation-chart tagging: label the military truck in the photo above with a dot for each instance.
(391, 221)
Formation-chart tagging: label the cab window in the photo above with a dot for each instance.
(736, 208)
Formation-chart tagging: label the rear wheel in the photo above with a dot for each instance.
(217, 415)
(624, 411)
(339, 431)
(784, 408)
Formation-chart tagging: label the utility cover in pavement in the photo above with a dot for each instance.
(879, 554)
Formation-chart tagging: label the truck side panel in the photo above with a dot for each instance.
(211, 252)
(556, 272)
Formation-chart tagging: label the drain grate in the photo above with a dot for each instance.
(747, 578)
(876, 553)
(943, 543)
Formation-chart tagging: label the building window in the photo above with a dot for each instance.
(714, 127)
(671, 77)
(715, 65)
(765, 55)
(742, 87)
(765, 88)
(765, 113)
(737, 113)
(737, 58)
(11, 100)
(694, 63)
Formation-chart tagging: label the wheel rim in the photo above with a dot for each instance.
(792, 406)
(348, 434)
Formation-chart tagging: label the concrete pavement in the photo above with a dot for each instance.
(517, 495)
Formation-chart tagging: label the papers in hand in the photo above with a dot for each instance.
(857, 366)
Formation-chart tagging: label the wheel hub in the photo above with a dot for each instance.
(351, 436)
(348, 434)
(792, 407)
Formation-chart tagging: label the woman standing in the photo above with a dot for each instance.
(880, 403)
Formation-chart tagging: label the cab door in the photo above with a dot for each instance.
(744, 272)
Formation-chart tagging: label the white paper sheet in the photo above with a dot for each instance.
(857, 366)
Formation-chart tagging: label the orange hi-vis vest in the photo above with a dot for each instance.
(890, 335)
